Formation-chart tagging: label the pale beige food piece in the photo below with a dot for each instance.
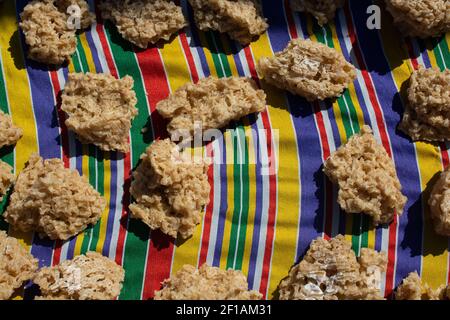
(427, 112)
(212, 102)
(144, 22)
(52, 200)
(100, 109)
(206, 283)
(421, 18)
(86, 277)
(412, 288)
(439, 203)
(6, 178)
(47, 33)
(322, 10)
(9, 133)
(17, 265)
(331, 271)
(366, 177)
(309, 69)
(241, 19)
(170, 190)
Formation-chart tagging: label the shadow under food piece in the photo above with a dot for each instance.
(321, 180)
(399, 103)
(440, 243)
(4, 151)
(154, 128)
(214, 41)
(297, 106)
(19, 51)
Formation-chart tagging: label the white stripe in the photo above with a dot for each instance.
(99, 48)
(217, 154)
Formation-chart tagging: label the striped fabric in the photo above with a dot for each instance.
(259, 223)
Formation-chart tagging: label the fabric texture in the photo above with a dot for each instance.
(269, 197)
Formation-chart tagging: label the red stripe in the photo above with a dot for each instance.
(159, 262)
(159, 257)
(413, 59)
(290, 20)
(105, 46)
(65, 148)
(272, 185)
(328, 223)
(189, 57)
(208, 212)
(385, 141)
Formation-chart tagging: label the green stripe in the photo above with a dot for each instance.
(137, 236)
(101, 190)
(241, 193)
(82, 55)
(445, 51)
(438, 50)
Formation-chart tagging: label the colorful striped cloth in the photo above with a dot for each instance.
(259, 223)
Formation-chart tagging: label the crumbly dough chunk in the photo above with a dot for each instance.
(421, 18)
(6, 178)
(322, 10)
(53, 200)
(309, 69)
(9, 133)
(212, 102)
(241, 19)
(17, 265)
(412, 288)
(366, 177)
(331, 271)
(47, 32)
(100, 109)
(86, 277)
(144, 22)
(170, 190)
(206, 283)
(439, 203)
(427, 112)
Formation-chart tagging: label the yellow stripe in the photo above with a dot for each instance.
(18, 91)
(284, 250)
(230, 199)
(107, 196)
(430, 52)
(178, 75)
(434, 264)
(251, 199)
(87, 52)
